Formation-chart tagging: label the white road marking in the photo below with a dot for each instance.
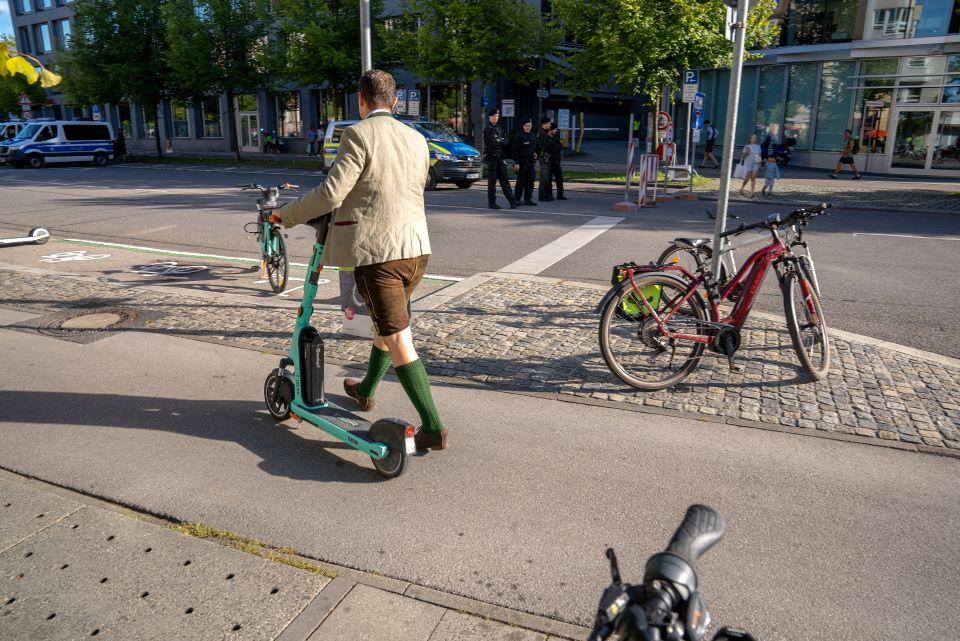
(241, 259)
(515, 211)
(539, 260)
(155, 229)
(907, 236)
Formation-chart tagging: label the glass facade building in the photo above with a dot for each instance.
(888, 70)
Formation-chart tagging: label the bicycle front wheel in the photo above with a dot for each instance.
(808, 329)
(277, 262)
(631, 342)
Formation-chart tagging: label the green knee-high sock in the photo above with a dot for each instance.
(413, 377)
(379, 364)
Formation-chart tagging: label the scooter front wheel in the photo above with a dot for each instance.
(278, 393)
(391, 433)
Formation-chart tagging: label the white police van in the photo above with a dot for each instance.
(56, 141)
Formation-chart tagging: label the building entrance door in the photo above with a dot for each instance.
(248, 123)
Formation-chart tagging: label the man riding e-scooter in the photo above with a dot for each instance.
(380, 228)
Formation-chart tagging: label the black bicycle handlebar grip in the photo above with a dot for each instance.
(701, 529)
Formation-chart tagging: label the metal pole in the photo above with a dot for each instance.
(733, 103)
(686, 147)
(366, 61)
(626, 188)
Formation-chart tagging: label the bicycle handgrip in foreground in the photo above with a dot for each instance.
(701, 529)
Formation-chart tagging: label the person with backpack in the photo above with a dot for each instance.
(711, 133)
(851, 147)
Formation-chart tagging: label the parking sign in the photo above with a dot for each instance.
(691, 82)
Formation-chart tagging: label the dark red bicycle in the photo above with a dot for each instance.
(657, 321)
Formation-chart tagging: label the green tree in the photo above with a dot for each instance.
(220, 47)
(319, 42)
(116, 54)
(642, 46)
(468, 40)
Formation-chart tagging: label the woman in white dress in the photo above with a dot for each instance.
(751, 163)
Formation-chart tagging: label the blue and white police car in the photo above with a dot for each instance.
(59, 141)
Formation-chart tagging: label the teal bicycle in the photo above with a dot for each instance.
(274, 263)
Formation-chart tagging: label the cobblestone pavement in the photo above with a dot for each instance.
(859, 194)
(540, 335)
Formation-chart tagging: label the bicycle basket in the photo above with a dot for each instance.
(631, 308)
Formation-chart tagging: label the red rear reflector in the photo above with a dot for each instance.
(410, 431)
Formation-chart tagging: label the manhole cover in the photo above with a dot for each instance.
(89, 321)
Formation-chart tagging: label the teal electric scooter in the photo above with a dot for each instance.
(299, 393)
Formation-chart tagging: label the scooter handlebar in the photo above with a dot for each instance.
(701, 529)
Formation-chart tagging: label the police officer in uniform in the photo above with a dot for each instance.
(524, 162)
(543, 152)
(556, 155)
(494, 149)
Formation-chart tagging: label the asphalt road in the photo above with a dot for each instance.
(888, 275)
(827, 540)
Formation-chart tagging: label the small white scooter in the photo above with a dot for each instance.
(36, 236)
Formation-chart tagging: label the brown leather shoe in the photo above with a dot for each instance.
(432, 440)
(365, 403)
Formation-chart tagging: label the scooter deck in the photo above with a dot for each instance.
(341, 424)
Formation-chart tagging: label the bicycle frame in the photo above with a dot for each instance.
(751, 274)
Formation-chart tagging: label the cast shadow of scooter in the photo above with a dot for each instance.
(283, 449)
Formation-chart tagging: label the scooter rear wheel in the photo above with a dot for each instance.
(278, 394)
(391, 433)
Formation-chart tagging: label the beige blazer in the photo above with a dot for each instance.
(375, 187)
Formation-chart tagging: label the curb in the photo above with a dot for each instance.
(313, 614)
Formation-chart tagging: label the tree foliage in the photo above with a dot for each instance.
(219, 46)
(116, 54)
(467, 40)
(642, 46)
(318, 41)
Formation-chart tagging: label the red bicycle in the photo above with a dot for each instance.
(657, 321)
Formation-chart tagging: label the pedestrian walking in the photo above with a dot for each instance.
(494, 149)
(379, 227)
(312, 141)
(751, 164)
(711, 133)
(524, 162)
(120, 145)
(851, 147)
(556, 157)
(771, 171)
(544, 144)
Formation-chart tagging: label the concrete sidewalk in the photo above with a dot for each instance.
(74, 567)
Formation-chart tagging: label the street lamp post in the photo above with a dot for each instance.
(733, 102)
(365, 57)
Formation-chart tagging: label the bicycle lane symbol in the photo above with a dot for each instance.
(77, 255)
(168, 268)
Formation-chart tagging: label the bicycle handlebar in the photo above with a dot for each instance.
(667, 604)
(801, 215)
(266, 190)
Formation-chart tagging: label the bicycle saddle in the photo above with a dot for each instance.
(693, 244)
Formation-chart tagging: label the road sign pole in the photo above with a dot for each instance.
(686, 149)
(365, 55)
(733, 100)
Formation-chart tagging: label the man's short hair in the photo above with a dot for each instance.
(378, 88)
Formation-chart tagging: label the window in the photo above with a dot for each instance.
(179, 120)
(872, 100)
(907, 18)
(747, 107)
(125, 120)
(63, 33)
(833, 106)
(812, 22)
(210, 107)
(24, 6)
(801, 92)
(44, 43)
(337, 133)
(288, 115)
(48, 133)
(86, 132)
(915, 86)
(149, 120)
(23, 40)
(43, 4)
(770, 102)
(951, 89)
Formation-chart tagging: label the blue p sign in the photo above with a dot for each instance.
(691, 77)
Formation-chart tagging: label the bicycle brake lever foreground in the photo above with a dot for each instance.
(733, 634)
